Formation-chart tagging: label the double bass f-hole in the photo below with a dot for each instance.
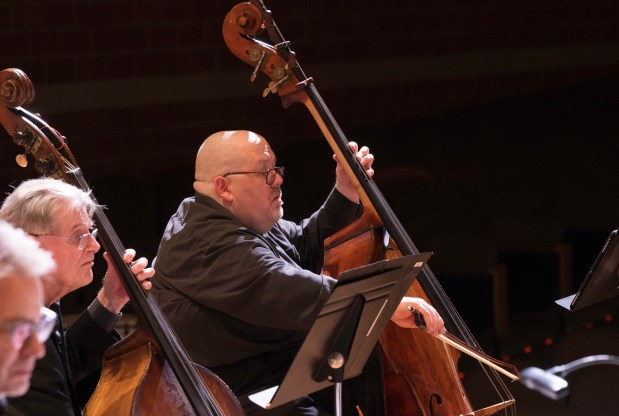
(423, 382)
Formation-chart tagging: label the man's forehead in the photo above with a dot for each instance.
(74, 219)
(268, 157)
(262, 147)
(20, 284)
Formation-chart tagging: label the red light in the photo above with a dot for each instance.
(589, 325)
(548, 341)
(460, 375)
(506, 358)
(527, 349)
(608, 317)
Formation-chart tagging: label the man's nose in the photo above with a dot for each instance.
(33, 347)
(93, 244)
(279, 179)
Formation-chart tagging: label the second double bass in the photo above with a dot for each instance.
(421, 372)
(148, 372)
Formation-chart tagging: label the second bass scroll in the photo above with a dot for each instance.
(420, 372)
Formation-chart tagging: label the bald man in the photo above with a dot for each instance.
(24, 323)
(240, 285)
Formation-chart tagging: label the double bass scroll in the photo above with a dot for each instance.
(421, 374)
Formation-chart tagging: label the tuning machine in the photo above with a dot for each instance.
(27, 139)
(256, 56)
(281, 74)
(21, 160)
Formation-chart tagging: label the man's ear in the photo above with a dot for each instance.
(222, 188)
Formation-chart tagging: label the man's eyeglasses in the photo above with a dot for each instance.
(82, 240)
(21, 331)
(269, 174)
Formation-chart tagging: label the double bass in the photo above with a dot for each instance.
(420, 372)
(149, 371)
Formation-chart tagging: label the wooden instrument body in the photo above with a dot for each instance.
(141, 382)
(415, 380)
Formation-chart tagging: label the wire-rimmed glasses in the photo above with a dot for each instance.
(82, 240)
(20, 331)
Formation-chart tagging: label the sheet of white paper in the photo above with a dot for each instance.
(264, 397)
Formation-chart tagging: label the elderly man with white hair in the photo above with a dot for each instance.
(25, 324)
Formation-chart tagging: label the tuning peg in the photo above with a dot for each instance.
(273, 86)
(21, 160)
(256, 56)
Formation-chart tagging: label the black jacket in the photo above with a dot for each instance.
(239, 298)
(69, 356)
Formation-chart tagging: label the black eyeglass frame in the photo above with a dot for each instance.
(279, 170)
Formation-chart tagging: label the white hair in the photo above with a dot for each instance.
(21, 255)
(36, 203)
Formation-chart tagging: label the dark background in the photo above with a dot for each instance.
(493, 126)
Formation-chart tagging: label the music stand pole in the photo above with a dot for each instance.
(336, 362)
(332, 368)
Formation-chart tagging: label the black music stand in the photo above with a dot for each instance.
(602, 280)
(346, 330)
(600, 284)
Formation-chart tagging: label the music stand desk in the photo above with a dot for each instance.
(602, 280)
(349, 324)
